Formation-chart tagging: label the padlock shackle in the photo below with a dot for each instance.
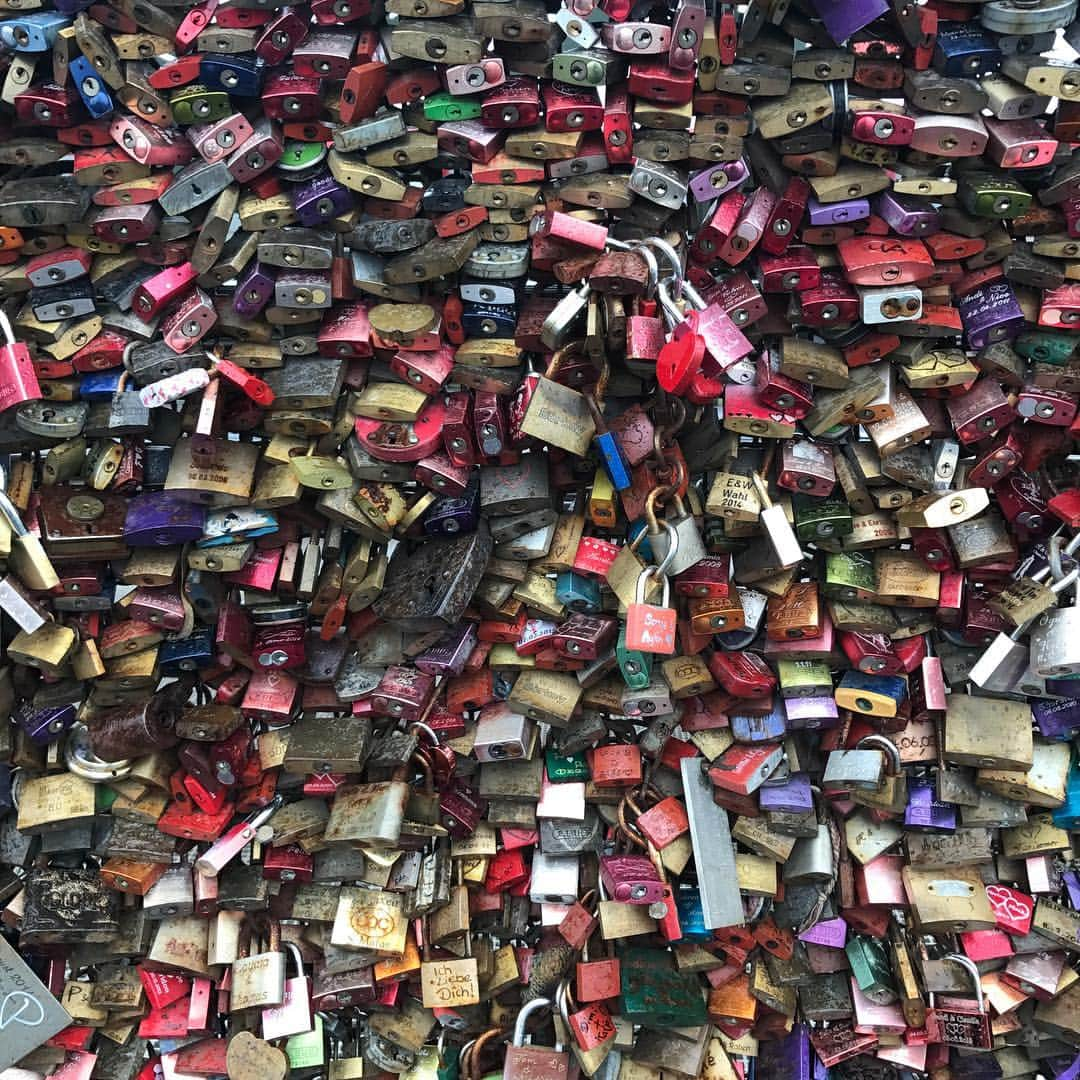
(564, 998)
(969, 966)
(7, 508)
(5, 326)
(1062, 579)
(672, 551)
(426, 729)
(672, 312)
(887, 747)
(678, 277)
(294, 951)
(523, 1016)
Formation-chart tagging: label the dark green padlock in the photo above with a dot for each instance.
(992, 195)
(565, 770)
(653, 993)
(870, 968)
(634, 666)
(448, 1062)
(1044, 347)
(817, 519)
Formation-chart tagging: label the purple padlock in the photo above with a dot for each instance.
(843, 20)
(792, 797)
(821, 1070)
(46, 725)
(160, 519)
(829, 933)
(1072, 885)
(254, 290)
(907, 215)
(321, 200)
(1057, 719)
(811, 712)
(787, 1057)
(837, 213)
(718, 180)
(925, 812)
(990, 313)
(450, 516)
(448, 655)
(1068, 1070)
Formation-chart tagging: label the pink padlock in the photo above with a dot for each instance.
(293, 1016)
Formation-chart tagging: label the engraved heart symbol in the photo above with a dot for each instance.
(20, 1008)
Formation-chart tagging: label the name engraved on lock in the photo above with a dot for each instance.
(370, 920)
(55, 801)
(961, 848)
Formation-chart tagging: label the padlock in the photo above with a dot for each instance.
(259, 979)
(524, 1060)
(650, 628)
(591, 1025)
(957, 1021)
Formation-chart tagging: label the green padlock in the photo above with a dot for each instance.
(448, 1057)
(1044, 347)
(308, 1050)
(817, 519)
(654, 993)
(849, 575)
(870, 967)
(565, 770)
(198, 104)
(299, 156)
(804, 678)
(634, 666)
(992, 195)
(444, 106)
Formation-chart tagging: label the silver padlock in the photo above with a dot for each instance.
(653, 700)
(1055, 642)
(691, 548)
(554, 879)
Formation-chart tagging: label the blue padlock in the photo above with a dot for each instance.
(644, 549)
(691, 915)
(34, 33)
(91, 88)
(760, 729)
(1067, 815)
(963, 49)
(100, 385)
(238, 75)
(488, 320)
(188, 654)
